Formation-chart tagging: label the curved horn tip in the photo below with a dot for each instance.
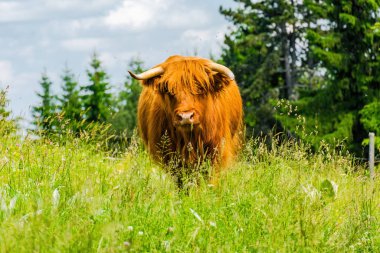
(134, 75)
(148, 74)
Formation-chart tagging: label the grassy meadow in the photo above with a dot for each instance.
(72, 196)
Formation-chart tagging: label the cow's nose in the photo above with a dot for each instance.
(185, 118)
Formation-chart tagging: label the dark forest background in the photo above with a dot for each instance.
(307, 68)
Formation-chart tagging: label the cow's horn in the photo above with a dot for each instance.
(222, 69)
(148, 74)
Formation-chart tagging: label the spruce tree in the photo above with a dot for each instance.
(7, 125)
(4, 112)
(263, 53)
(44, 113)
(347, 47)
(70, 103)
(125, 118)
(97, 99)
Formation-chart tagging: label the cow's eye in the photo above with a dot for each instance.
(199, 89)
(165, 91)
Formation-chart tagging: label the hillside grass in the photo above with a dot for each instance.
(71, 196)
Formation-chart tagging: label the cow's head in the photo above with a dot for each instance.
(186, 87)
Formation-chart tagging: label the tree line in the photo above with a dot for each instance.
(306, 67)
(79, 105)
(310, 65)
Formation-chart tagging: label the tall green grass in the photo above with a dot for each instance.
(72, 196)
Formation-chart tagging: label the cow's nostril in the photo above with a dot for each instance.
(179, 117)
(185, 117)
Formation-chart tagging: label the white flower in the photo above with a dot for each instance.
(335, 187)
(12, 203)
(3, 204)
(56, 197)
(196, 215)
(311, 192)
(130, 228)
(140, 233)
(166, 245)
(213, 224)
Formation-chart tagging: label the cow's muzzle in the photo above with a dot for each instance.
(186, 118)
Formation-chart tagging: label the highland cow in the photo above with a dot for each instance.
(195, 104)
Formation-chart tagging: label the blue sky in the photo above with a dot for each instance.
(38, 35)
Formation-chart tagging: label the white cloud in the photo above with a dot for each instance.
(146, 14)
(76, 4)
(21, 10)
(115, 60)
(83, 44)
(185, 18)
(204, 40)
(133, 15)
(6, 73)
(196, 36)
(16, 12)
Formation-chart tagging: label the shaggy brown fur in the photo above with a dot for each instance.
(188, 84)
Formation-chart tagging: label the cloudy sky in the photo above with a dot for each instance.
(38, 35)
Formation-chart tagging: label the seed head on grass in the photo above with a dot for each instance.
(212, 224)
(196, 215)
(56, 197)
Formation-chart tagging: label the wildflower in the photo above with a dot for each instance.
(3, 205)
(170, 230)
(166, 245)
(130, 228)
(140, 233)
(311, 192)
(196, 215)
(12, 203)
(213, 224)
(56, 197)
(127, 244)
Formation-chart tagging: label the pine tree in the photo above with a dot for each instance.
(44, 113)
(349, 50)
(4, 113)
(70, 103)
(345, 45)
(7, 125)
(97, 100)
(263, 53)
(125, 118)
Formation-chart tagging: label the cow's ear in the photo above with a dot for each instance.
(220, 80)
(149, 82)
